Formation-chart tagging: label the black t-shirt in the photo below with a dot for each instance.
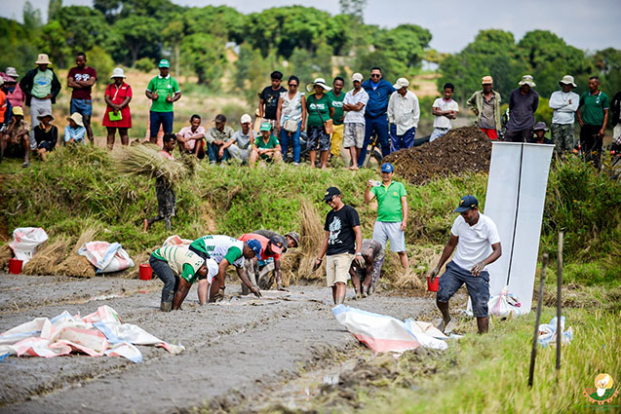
(270, 99)
(341, 225)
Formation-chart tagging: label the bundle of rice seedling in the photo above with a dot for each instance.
(145, 160)
(6, 254)
(289, 266)
(411, 280)
(48, 257)
(311, 237)
(76, 265)
(134, 272)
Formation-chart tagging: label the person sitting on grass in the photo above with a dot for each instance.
(265, 146)
(191, 138)
(164, 192)
(540, 130)
(16, 139)
(179, 268)
(45, 135)
(239, 145)
(75, 131)
(217, 137)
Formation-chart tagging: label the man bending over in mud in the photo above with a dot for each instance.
(474, 237)
(271, 249)
(368, 274)
(225, 251)
(341, 244)
(179, 268)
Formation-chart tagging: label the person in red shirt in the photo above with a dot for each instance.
(252, 267)
(81, 79)
(117, 115)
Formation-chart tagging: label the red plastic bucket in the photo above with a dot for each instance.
(146, 273)
(15, 266)
(433, 286)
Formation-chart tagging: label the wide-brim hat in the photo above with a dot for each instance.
(43, 59)
(118, 73)
(527, 80)
(295, 236)
(45, 113)
(318, 82)
(567, 80)
(540, 126)
(10, 71)
(77, 118)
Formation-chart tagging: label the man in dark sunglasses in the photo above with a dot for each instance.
(376, 120)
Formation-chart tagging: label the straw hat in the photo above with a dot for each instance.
(43, 59)
(77, 118)
(318, 82)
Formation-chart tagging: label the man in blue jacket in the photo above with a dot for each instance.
(379, 91)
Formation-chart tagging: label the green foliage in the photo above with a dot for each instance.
(205, 55)
(145, 64)
(53, 8)
(31, 16)
(406, 45)
(138, 34)
(103, 64)
(365, 61)
(544, 112)
(608, 63)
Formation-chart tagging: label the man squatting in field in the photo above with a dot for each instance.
(368, 273)
(478, 244)
(225, 251)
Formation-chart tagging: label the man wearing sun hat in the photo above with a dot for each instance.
(163, 90)
(523, 103)
(403, 115)
(475, 240)
(565, 104)
(41, 87)
(354, 104)
(485, 104)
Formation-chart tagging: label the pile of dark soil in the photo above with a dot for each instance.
(460, 150)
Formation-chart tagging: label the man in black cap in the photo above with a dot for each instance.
(478, 244)
(341, 244)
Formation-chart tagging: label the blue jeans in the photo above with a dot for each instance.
(160, 118)
(294, 138)
(478, 287)
(404, 141)
(212, 151)
(380, 126)
(162, 270)
(82, 106)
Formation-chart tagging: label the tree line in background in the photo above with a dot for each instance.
(294, 39)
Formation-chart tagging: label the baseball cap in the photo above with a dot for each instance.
(278, 244)
(331, 192)
(266, 126)
(18, 110)
(387, 168)
(255, 245)
(245, 119)
(164, 63)
(466, 203)
(357, 77)
(401, 82)
(295, 236)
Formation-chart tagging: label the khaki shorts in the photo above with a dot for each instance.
(337, 268)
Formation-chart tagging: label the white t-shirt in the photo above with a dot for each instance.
(475, 242)
(356, 117)
(442, 121)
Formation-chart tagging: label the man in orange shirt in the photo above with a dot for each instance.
(269, 249)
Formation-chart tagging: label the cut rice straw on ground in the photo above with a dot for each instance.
(48, 257)
(146, 160)
(76, 265)
(6, 254)
(311, 237)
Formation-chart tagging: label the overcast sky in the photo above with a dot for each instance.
(586, 24)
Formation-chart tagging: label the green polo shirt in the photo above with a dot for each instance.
(389, 208)
(592, 107)
(270, 144)
(164, 87)
(337, 103)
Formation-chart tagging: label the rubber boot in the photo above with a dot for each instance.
(166, 306)
(167, 301)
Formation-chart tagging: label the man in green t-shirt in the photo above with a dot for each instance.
(179, 268)
(593, 116)
(265, 146)
(336, 97)
(163, 90)
(392, 212)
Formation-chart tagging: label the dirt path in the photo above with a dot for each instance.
(241, 345)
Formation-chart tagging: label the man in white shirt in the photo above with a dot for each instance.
(476, 238)
(565, 104)
(239, 145)
(403, 115)
(354, 105)
(444, 109)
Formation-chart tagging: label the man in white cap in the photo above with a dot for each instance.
(486, 106)
(354, 105)
(41, 87)
(239, 144)
(403, 115)
(523, 103)
(565, 104)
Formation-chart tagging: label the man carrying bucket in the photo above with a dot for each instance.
(478, 244)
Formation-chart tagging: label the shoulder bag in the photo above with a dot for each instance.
(328, 126)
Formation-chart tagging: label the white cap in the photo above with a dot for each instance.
(357, 77)
(401, 82)
(117, 73)
(246, 119)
